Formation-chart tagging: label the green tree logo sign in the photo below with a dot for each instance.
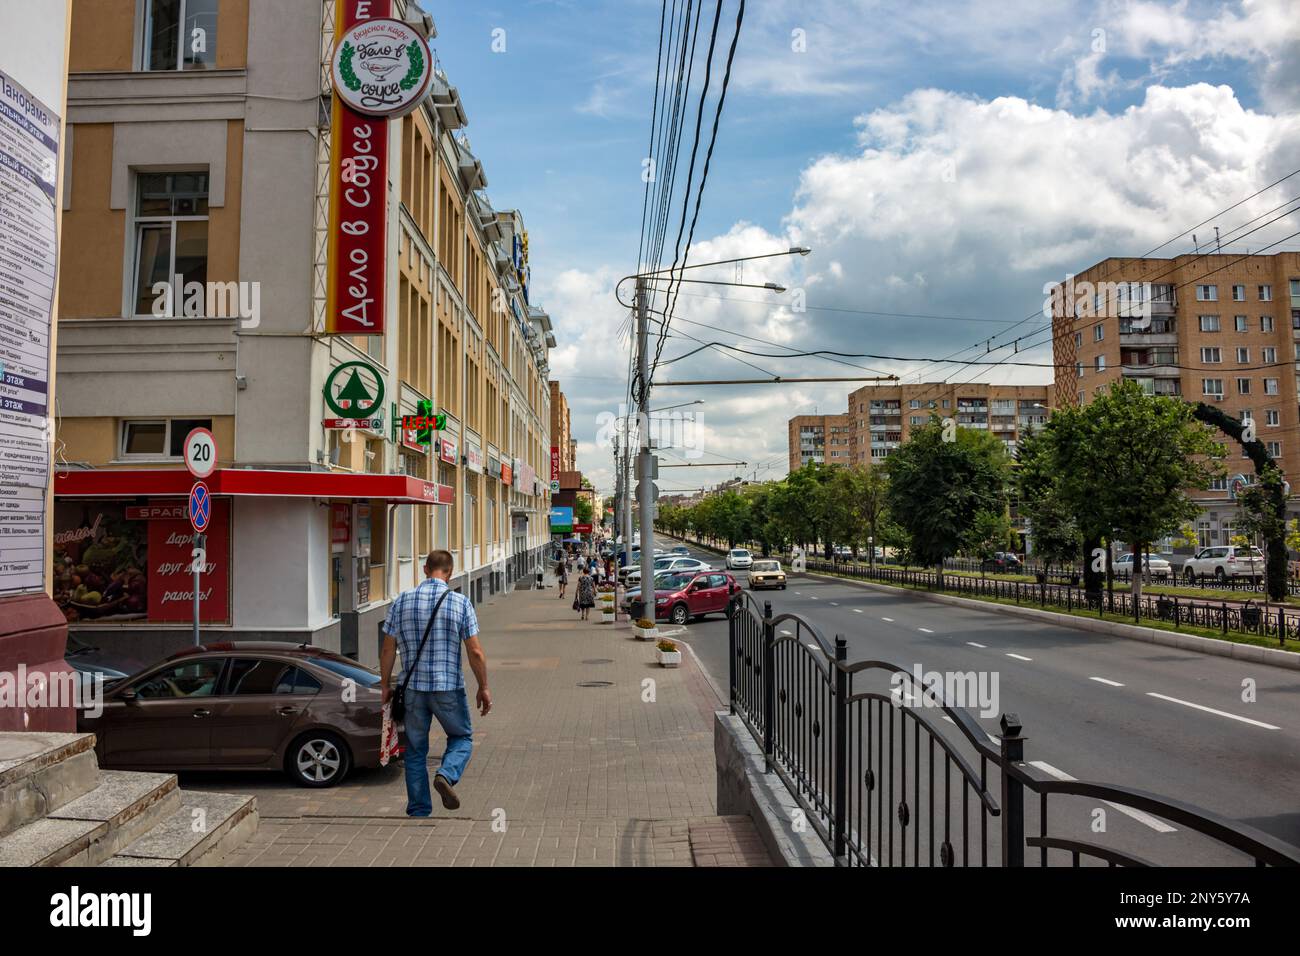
(354, 390)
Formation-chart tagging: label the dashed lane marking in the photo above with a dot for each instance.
(889, 619)
(1020, 657)
(925, 630)
(981, 646)
(1211, 710)
(1108, 683)
(1154, 823)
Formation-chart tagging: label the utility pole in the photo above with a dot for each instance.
(646, 470)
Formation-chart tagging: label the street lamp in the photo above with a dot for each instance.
(647, 468)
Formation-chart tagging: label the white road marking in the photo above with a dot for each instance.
(1108, 683)
(1211, 710)
(889, 619)
(925, 629)
(1020, 657)
(835, 603)
(981, 646)
(787, 634)
(1153, 822)
(814, 597)
(857, 610)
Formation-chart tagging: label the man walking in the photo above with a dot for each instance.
(437, 685)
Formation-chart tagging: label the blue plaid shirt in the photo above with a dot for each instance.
(439, 665)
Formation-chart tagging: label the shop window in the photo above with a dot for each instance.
(171, 239)
(378, 534)
(180, 34)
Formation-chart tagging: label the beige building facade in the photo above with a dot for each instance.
(214, 166)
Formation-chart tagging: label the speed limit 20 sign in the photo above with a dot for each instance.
(200, 452)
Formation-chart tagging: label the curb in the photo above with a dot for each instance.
(1133, 632)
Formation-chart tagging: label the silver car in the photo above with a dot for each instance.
(1156, 566)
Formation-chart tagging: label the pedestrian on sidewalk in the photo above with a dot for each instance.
(561, 575)
(586, 597)
(429, 623)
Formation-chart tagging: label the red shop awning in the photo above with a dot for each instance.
(162, 482)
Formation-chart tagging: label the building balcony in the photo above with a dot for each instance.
(1151, 371)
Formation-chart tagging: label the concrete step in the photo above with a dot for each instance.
(130, 803)
(88, 830)
(41, 772)
(200, 832)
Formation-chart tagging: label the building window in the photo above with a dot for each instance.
(1078, 340)
(1238, 293)
(1275, 449)
(1243, 386)
(1211, 355)
(1212, 386)
(914, 403)
(1204, 536)
(1100, 363)
(1098, 332)
(1266, 323)
(1243, 356)
(1269, 354)
(1207, 293)
(1272, 417)
(1266, 293)
(171, 239)
(1078, 369)
(1240, 322)
(158, 437)
(180, 34)
(1270, 386)
(1209, 323)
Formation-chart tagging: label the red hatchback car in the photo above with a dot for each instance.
(684, 597)
(243, 706)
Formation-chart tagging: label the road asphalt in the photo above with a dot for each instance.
(1215, 732)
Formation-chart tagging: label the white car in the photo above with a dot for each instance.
(1156, 566)
(739, 559)
(1224, 561)
(664, 565)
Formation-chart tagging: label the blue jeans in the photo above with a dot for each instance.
(451, 708)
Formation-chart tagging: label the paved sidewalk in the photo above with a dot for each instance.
(592, 755)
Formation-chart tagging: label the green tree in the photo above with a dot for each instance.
(1052, 525)
(582, 510)
(937, 487)
(989, 531)
(1144, 453)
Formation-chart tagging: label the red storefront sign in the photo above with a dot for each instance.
(507, 475)
(358, 202)
(555, 463)
(447, 450)
(171, 580)
(582, 529)
(340, 523)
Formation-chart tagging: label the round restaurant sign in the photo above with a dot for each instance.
(381, 67)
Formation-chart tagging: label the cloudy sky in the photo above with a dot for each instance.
(943, 160)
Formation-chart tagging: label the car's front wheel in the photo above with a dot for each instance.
(318, 759)
(1220, 576)
(1189, 576)
(680, 614)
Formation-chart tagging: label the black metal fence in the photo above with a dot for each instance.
(904, 776)
(1258, 620)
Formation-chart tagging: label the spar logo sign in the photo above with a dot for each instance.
(354, 390)
(381, 67)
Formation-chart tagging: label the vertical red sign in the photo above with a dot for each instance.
(171, 581)
(555, 463)
(358, 202)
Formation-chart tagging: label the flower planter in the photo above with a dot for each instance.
(646, 633)
(668, 658)
(607, 616)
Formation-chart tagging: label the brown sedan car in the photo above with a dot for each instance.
(244, 706)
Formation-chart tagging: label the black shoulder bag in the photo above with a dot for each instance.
(399, 698)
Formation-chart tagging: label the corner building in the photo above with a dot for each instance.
(214, 166)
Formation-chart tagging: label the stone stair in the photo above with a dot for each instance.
(57, 808)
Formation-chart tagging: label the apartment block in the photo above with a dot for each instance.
(1218, 328)
(211, 162)
(881, 417)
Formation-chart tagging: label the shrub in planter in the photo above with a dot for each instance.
(645, 629)
(667, 654)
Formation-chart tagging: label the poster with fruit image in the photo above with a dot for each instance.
(119, 562)
(100, 563)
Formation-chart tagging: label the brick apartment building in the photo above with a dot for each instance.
(881, 417)
(1221, 329)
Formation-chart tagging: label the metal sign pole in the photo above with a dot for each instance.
(200, 543)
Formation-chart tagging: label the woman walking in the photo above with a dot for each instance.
(586, 599)
(561, 575)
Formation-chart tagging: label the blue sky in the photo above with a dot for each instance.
(1069, 132)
